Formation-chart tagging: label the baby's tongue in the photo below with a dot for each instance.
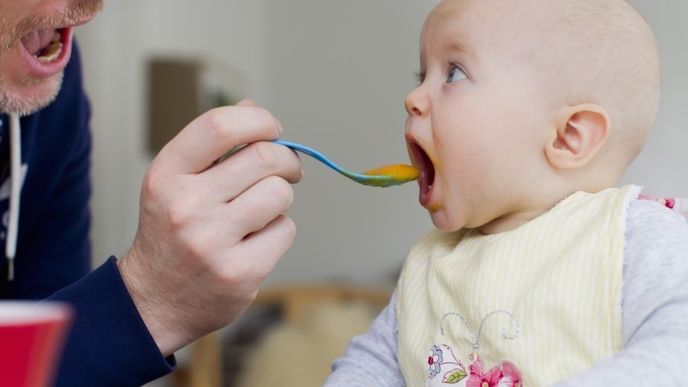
(34, 41)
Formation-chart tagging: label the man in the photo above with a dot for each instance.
(209, 232)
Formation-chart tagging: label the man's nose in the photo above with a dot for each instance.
(417, 102)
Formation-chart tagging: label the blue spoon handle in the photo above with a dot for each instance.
(370, 180)
(316, 155)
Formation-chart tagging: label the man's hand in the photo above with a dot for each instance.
(210, 232)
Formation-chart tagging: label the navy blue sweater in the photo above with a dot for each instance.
(108, 345)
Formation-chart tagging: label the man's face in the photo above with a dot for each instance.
(35, 46)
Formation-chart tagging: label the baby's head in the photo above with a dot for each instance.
(523, 102)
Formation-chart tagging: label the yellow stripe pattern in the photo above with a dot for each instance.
(560, 275)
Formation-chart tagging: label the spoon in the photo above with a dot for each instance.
(386, 176)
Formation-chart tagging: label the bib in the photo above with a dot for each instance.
(527, 307)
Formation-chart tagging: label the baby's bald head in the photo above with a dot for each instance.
(600, 52)
(609, 57)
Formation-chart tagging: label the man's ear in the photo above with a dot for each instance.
(577, 137)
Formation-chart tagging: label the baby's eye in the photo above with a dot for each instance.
(420, 77)
(455, 74)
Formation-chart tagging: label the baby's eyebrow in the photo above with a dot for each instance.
(456, 45)
(448, 45)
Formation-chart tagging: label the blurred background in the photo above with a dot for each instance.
(335, 73)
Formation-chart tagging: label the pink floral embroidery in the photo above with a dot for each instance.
(506, 374)
(442, 361)
(442, 356)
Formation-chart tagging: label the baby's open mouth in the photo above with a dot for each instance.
(45, 45)
(427, 171)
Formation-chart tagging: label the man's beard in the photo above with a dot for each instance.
(24, 105)
(11, 98)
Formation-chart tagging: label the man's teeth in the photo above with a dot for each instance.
(51, 52)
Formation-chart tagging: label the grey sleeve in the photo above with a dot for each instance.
(655, 304)
(371, 359)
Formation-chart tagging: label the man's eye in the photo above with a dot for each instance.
(455, 74)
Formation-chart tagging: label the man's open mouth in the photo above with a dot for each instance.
(45, 45)
(427, 171)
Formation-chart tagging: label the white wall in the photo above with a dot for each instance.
(662, 166)
(338, 80)
(115, 48)
(335, 73)
(335, 79)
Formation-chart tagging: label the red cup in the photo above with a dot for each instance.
(32, 335)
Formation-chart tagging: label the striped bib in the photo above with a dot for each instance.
(527, 307)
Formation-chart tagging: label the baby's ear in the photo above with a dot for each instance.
(578, 137)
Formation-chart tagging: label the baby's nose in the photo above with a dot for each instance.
(417, 102)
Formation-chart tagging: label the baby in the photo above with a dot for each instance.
(541, 272)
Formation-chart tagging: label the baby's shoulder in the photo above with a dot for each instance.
(656, 247)
(650, 218)
(655, 260)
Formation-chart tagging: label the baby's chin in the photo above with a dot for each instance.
(443, 221)
(448, 221)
